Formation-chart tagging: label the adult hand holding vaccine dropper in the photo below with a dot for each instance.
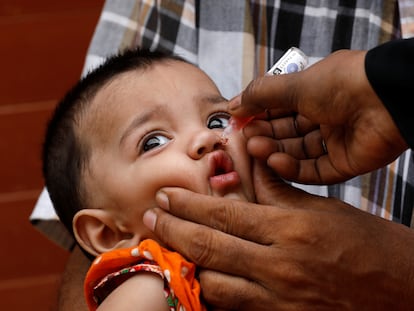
(327, 122)
(293, 60)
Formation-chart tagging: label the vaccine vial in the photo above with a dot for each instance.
(293, 60)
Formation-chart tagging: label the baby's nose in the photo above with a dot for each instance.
(204, 142)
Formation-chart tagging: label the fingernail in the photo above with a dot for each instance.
(235, 103)
(162, 200)
(149, 219)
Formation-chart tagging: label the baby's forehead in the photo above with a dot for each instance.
(161, 70)
(154, 78)
(123, 92)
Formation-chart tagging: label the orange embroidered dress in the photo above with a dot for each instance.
(109, 270)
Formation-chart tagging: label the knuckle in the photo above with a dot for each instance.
(219, 216)
(254, 91)
(200, 250)
(224, 295)
(243, 300)
(291, 273)
(253, 298)
(214, 295)
(225, 216)
(250, 89)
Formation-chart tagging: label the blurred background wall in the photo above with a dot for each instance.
(43, 44)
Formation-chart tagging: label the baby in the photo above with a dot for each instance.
(141, 121)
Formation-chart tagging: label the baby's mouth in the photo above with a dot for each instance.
(222, 174)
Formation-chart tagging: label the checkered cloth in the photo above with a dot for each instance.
(234, 41)
(407, 17)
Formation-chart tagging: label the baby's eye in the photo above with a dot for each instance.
(218, 120)
(154, 141)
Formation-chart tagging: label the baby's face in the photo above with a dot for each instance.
(161, 127)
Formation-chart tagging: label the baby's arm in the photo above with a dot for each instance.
(142, 291)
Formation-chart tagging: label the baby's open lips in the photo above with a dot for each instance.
(220, 163)
(222, 175)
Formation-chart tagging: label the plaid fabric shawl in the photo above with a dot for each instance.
(234, 41)
(407, 17)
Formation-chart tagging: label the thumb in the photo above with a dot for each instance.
(267, 184)
(270, 189)
(275, 93)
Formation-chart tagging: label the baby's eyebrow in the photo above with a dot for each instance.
(139, 121)
(214, 99)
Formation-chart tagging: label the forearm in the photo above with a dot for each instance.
(143, 291)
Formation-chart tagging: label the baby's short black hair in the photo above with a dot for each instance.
(64, 155)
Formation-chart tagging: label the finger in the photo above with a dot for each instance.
(303, 125)
(312, 145)
(301, 148)
(207, 247)
(258, 128)
(272, 190)
(235, 217)
(292, 126)
(308, 171)
(266, 92)
(234, 293)
(261, 147)
(280, 128)
(277, 128)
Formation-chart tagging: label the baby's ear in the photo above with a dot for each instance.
(97, 232)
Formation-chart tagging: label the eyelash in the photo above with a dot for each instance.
(160, 137)
(144, 147)
(220, 114)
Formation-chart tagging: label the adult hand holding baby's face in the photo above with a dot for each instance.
(295, 252)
